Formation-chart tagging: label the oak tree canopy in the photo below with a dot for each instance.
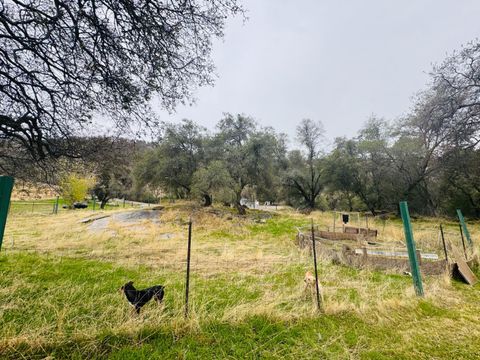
(63, 61)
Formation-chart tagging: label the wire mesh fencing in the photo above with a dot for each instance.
(52, 206)
(32, 207)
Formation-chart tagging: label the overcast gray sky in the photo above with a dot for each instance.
(334, 61)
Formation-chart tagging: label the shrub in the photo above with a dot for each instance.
(75, 188)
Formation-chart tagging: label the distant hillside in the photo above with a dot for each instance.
(26, 191)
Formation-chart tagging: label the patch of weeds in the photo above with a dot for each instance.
(381, 277)
(277, 226)
(226, 292)
(286, 276)
(222, 235)
(430, 310)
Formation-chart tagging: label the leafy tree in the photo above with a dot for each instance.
(460, 182)
(267, 155)
(304, 180)
(374, 168)
(231, 142)
(111, 161)
(248, 153)
(110, 185)
(213, 181)
(362, 167)
(341, 173)
(74, 188)
(173, 162)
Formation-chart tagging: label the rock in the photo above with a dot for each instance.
(126, 218)
(80, 205)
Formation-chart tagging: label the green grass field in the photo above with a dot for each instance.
(59, 293)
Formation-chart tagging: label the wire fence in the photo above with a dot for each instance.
(390, 243)
(221, 256)
(52, 207)
(203, 263)
(32, 207)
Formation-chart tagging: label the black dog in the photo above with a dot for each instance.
(138, 298)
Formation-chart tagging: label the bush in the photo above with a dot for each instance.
(75, 188)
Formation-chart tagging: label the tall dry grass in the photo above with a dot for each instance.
(236, 250)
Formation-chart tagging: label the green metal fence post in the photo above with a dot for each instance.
(6, 186)
(407, 226)
(464, 227)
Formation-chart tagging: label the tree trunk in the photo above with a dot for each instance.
(238, 196)
(207, 200)
(103, 202)
(241, 209)
(311, 202)
(477, 211)
(350, 201)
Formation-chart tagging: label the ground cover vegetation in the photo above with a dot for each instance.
(60, 280)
